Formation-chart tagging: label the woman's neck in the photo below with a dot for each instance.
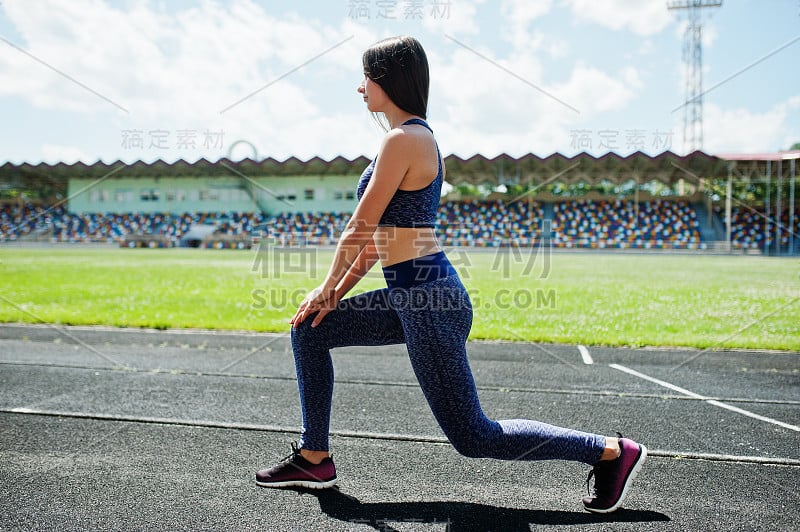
(397, 116)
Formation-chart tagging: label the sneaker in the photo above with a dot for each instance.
(296, 471)
(612, 478)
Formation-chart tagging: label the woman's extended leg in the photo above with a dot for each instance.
(437, 318)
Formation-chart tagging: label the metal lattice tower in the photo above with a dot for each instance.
(693, 59)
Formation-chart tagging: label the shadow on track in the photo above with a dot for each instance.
(460, 516)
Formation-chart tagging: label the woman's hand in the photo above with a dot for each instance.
(321, 300)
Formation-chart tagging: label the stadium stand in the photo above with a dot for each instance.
(132, 206)
(17, 222)
(489, 223)
(476, 223)
(748, 229)
(626, 224)
(305, 228)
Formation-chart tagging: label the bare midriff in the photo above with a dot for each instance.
(399, 244)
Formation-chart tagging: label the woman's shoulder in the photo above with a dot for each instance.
(407, 136)
(399, 139)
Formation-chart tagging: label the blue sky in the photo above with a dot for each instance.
(146, 80)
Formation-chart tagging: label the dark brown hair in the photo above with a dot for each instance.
(399, 65)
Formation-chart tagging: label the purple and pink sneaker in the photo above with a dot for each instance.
(613, 478)
(296, 471)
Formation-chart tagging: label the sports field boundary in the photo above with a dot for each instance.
(242, 333)
(407, 384)
(414, 438)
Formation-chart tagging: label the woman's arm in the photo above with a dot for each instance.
(363, 264)
(390, 168)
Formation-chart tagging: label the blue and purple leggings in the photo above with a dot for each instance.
(426, 307)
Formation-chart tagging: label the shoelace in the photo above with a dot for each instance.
(599, 472)
(295, 452)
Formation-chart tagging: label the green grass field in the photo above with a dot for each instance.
(588, 298)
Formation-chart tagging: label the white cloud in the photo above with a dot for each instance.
(593, 91)
(519, 14)
(504, 114)
(526, 11)
(182, 69)
(642, 18)
(557, 49)
(176, 68)
(53, 154)
(709, 34)
(456, 18)
(742, 130)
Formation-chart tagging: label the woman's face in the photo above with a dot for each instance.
(374, 95)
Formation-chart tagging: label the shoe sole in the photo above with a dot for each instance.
(628, 481)
(310, 484)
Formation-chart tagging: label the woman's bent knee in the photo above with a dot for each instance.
(304, 334)
(473, 443)
(476, 440)
(468, 448)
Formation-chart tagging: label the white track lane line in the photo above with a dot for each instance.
(177, 422)
(587, 358)
(706, 399)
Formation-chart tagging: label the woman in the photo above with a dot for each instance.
(424, 305)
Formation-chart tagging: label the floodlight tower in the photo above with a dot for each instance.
(693, 59)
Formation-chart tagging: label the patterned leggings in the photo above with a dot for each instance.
(433, 319)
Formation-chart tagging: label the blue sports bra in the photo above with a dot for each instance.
(409, 208)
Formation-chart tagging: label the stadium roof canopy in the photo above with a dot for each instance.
(666, 167)
(530, 169)
(760, 166)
